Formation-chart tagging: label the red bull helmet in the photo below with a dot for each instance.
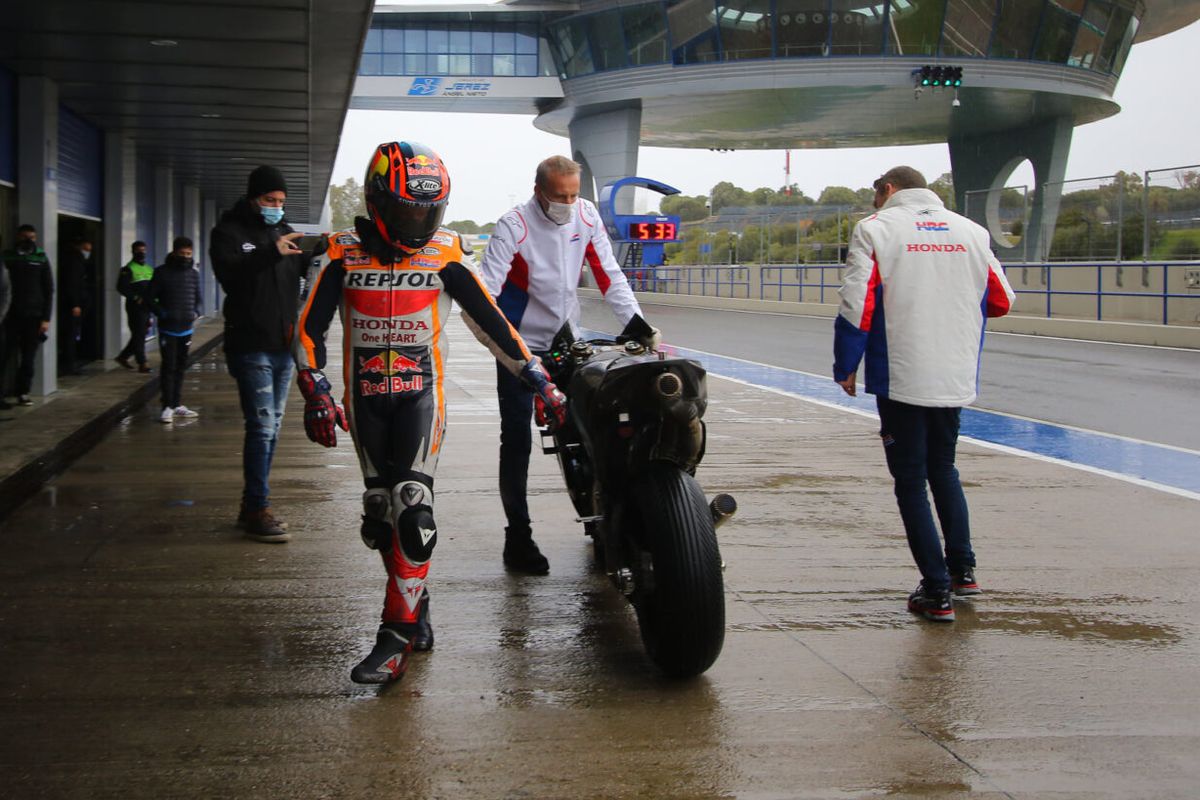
(407, 189)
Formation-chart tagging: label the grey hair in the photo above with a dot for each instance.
(555, 165)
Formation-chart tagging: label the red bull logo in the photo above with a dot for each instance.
(396, 384)
(389, 363)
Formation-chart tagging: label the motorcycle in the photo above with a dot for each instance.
(628, 451)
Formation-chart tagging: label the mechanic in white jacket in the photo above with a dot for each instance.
(918, 285)
(532, 267)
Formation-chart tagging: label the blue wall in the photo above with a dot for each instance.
(80, 165)
(8, 126)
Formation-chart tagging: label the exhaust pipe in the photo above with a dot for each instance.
(669, 389)
(668, 386)
(723, 506)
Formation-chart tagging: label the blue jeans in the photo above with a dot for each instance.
(919, 444)
(263, 380)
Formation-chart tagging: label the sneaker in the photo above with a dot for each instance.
(167, 415)
(387, 661)
(521, 554)
(422, 631)
(935, 606)
(144, 368)
(244, 516)
(964, 584)
(261, 526)
(24, 400)
(184, 411)
(123, 361)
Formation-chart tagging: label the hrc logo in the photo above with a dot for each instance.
(925, 227)
(424, 87)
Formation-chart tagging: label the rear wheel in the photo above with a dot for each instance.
(682, 619)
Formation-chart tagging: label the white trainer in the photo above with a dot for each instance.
(184, 411)
(168, 415)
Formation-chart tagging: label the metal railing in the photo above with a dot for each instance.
(1157, 291)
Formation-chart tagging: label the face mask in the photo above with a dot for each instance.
(139, 258)
(271, 215)
(559, 213)
(25, 246)
(86, 254)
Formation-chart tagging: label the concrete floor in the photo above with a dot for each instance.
(147, 650)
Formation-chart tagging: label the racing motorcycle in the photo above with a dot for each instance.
(628, 451)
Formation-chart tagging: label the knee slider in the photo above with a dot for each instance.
(412, 502)
(376, 528)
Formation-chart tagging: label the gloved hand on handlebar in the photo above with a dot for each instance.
(549, 403)
(638, 330)
(321, 412)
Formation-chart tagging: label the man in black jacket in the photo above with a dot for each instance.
(258, 264)
(72, 301)
(28, 317)
(174, 297)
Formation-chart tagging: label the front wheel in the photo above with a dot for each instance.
(682, 619)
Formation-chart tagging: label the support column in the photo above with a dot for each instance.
(208, 221)
(985, 162)
(189, 226)
(120, 231)
(37, 194)
(606, 144)
(164, 213)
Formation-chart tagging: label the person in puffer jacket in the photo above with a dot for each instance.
(919, 284)
(175, 300)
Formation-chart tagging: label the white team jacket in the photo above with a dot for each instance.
(532, 267)
(918, 283)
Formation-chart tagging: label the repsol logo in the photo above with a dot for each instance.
(374, 324)
(935, 248)
(370, 279)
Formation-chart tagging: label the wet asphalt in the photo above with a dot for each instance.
(148, 650)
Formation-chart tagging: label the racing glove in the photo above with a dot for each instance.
(638, 330)
(651, 339)
(549, 403)
(321, 413)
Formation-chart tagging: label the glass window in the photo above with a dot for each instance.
(438, 41)
(460, 39)
(414, 40)
(1090, 36)
(527, 66)
(855, 29)
(968, 27)
(1057, 35)
(393, 40)
(393, 64)
(801, 28)
(1118, 20)
(914, 26)
(1016, 24)
(607, 39)
(414, 63)
(504, 41)
(1131, 29)
(372, 64)
(481, 41)
(645, 34)
(460, 64)
(575, 56)
(527, 40)
(693, 31)
(438, 65)
(374, 40)
(504, 64)
(481, 64)
(745, 29)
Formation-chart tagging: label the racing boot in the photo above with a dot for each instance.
(388, 660)
(422, 631)
(521, 553)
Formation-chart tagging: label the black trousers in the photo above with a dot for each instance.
(139, 322)
(174, 350)
(24, 334)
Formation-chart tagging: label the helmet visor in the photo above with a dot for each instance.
(409, 225)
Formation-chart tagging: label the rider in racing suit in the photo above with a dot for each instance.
(392, 279)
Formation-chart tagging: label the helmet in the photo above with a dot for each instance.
(407, 189)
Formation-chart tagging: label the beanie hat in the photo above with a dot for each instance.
(265, 180)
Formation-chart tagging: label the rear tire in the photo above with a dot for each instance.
(683, 619)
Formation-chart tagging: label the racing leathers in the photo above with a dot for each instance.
(393, 309)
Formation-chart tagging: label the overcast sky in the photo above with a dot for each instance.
(491, 157)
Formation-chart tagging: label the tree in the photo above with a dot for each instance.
(345, 203)
(838, 196)
(943, 187)
(688, 209)
(464, 226)
(725, 194)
